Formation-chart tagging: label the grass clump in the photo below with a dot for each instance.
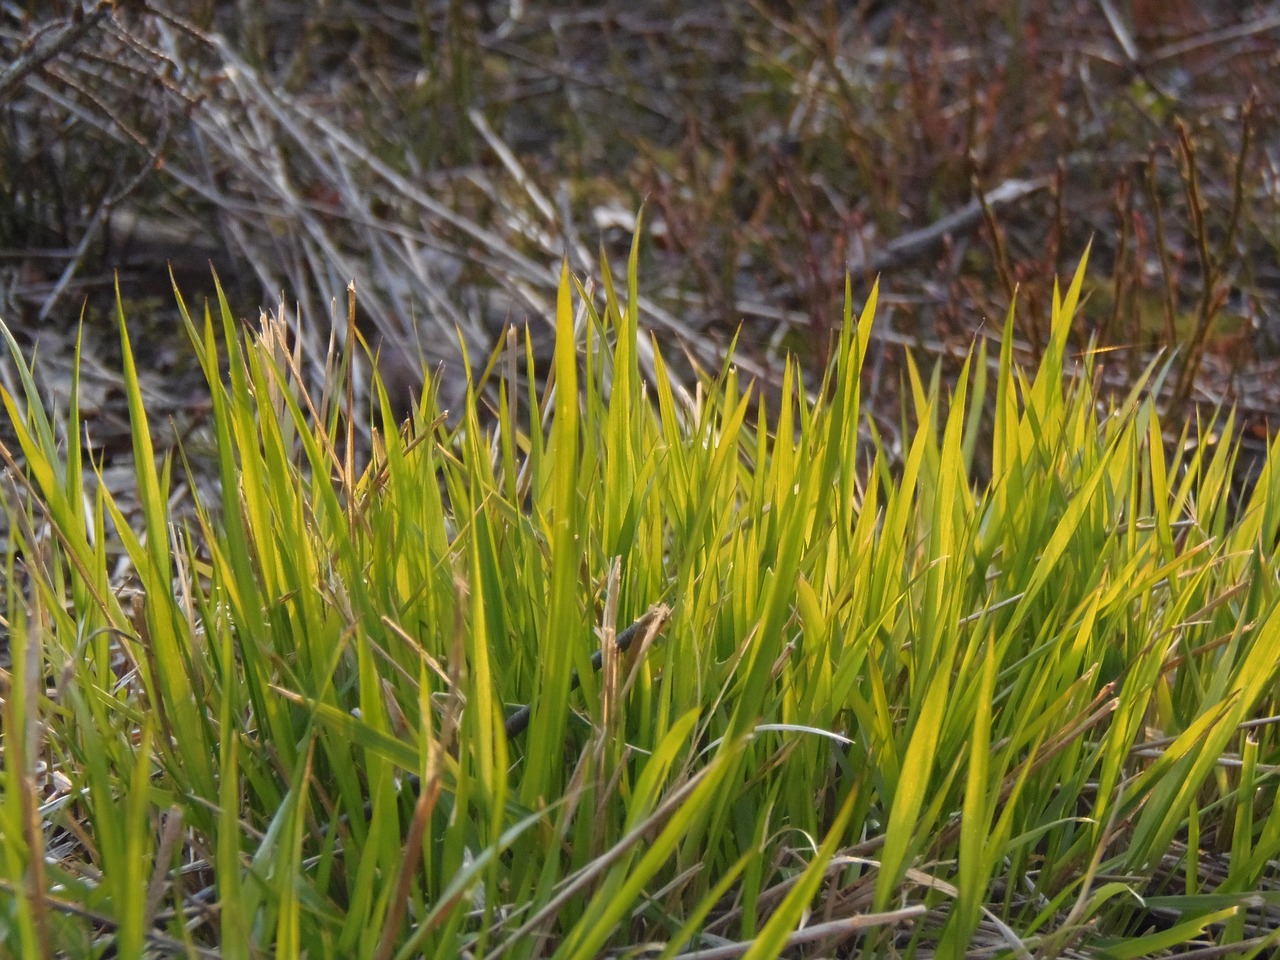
(864, 703)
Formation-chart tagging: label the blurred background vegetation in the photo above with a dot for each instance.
(445, 155)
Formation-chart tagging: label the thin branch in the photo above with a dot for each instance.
(50, 47)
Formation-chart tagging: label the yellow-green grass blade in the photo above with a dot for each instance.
(785, 919)
(563, 627)
(1152, 944)
(901, 837)
(165, 627)
(615, 899)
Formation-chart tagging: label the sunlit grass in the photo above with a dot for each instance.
(883, 707)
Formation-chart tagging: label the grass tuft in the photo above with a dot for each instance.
(785, 691)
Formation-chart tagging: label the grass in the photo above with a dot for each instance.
(868, 704)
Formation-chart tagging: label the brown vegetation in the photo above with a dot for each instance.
(444, 156)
